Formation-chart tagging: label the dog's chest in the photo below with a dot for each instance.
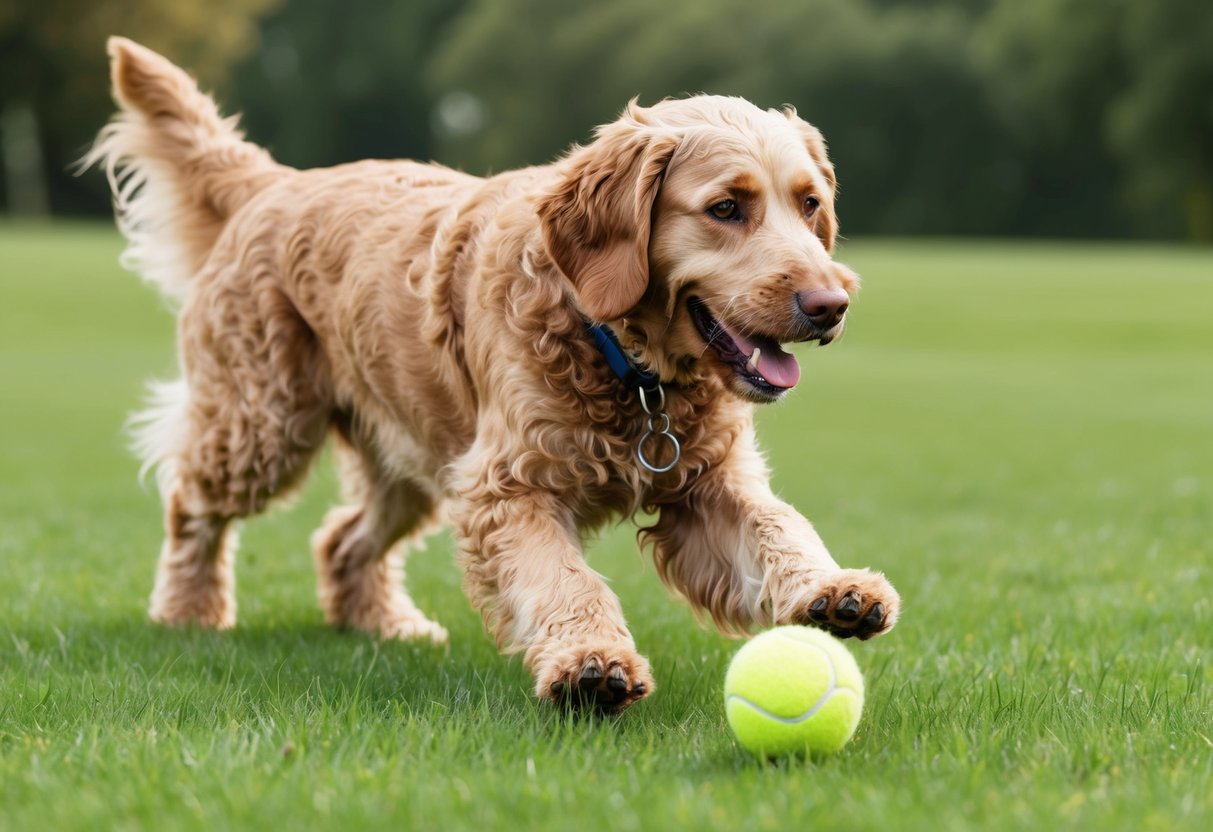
(644, 459)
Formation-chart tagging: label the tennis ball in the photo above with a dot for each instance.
(793, 691)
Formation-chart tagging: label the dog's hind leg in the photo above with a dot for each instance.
(195, 579)
(359, 551)
(239, 430)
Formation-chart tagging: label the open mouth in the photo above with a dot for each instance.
(758, 360)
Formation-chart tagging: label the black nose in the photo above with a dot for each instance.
(824, 307)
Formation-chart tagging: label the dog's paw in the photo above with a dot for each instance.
(413, 628)
(203, 619)
(206, 609)
(603, 677)
(849, 602)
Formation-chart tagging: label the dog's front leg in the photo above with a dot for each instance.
(739, 553)
(802, 584)
(525, 572)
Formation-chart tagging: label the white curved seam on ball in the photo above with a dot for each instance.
(811, 712)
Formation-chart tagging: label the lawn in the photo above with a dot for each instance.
(1020, 435)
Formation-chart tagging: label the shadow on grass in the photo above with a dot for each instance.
(284, 665)
(129, 672)
(297, 681)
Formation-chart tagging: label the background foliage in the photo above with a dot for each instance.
(1042, 117)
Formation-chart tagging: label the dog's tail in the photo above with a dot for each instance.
(177, 169)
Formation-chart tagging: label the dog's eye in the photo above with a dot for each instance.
(811, 204)
(725, 210)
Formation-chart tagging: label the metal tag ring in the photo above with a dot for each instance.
(649, 465)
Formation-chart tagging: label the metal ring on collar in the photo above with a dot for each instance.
(658, 469)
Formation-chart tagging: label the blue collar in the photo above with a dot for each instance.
(631, 375)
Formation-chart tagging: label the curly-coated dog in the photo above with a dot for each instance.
(524, 356)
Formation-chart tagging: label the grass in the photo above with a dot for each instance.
(1021, 435)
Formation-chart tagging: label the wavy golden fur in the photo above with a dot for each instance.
(435, 325)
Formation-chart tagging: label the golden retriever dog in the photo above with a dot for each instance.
(524, 357)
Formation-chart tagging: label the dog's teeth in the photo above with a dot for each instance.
(752, 364)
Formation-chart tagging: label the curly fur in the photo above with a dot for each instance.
(434, 323)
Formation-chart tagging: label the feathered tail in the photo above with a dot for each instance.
(178, 170)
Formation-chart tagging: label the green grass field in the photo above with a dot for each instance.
(1020, 435)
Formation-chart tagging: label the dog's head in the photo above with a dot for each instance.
(702, 228)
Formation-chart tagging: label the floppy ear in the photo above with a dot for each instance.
(827, 220)
(596, 222)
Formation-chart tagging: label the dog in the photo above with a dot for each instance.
(523, 357)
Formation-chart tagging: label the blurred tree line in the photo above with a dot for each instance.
(1038, 117)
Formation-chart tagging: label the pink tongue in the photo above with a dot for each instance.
(776, 366)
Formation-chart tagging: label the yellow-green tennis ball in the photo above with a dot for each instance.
(793, 691)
